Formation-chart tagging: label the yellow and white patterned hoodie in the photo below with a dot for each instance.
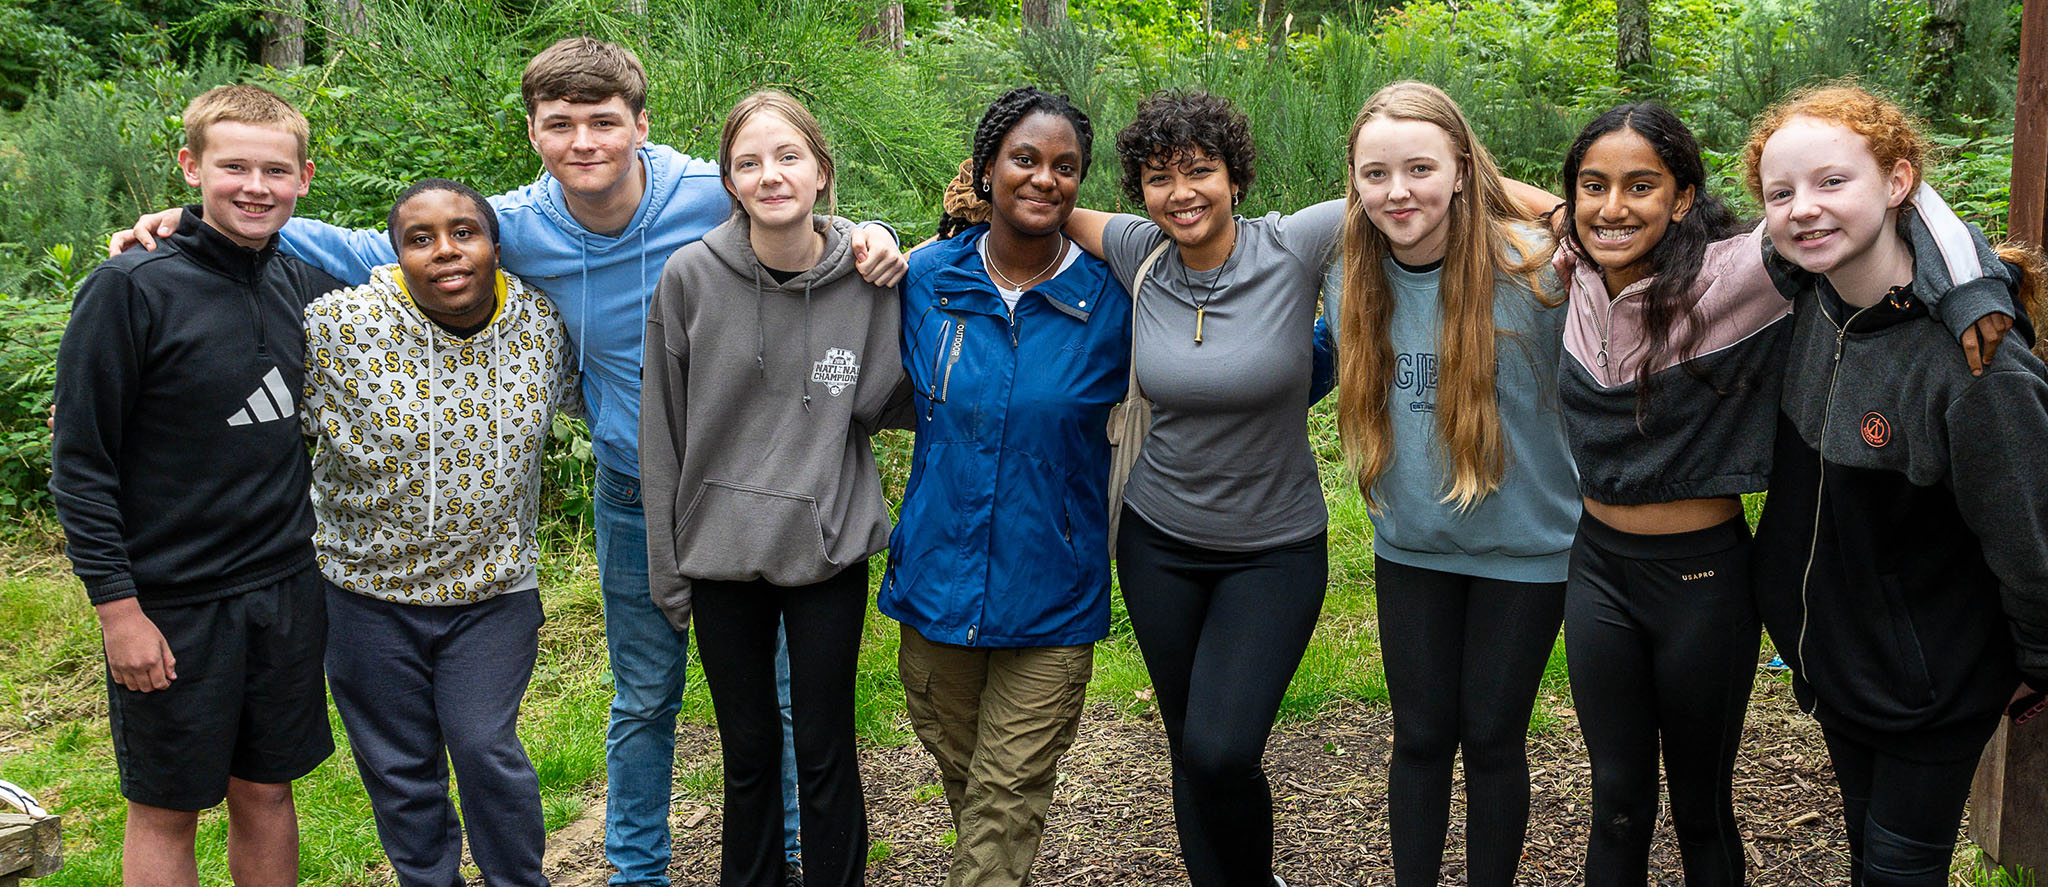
(426, 476)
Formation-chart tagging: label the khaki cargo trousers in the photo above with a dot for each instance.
(998, 721)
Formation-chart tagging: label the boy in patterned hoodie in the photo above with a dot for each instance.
(430, 391)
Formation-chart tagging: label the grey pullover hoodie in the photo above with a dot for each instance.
(757, 403)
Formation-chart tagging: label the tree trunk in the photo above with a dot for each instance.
(886, 30)
(1631, 35)
(348, 18)
(1044, 15)
(1275, 22)
(1944, 36)
(285, 45)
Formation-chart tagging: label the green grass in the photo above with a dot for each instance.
(53, 731)
(54, 741)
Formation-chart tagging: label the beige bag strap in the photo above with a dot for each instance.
(1132, 416)
(1138, 283)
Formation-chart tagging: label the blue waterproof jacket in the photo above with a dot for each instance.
(1003, 536)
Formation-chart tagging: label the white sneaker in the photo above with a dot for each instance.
(1277, 882)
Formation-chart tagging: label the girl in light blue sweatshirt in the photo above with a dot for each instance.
(1447, 352)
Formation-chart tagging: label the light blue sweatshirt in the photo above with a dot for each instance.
(602, 284)
(1523, 531)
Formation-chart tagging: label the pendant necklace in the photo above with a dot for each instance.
(1201, 303)
(1007, 283)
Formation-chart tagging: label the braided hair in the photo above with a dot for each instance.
(1004, 113)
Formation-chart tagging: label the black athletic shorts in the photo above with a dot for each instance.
(250, 700)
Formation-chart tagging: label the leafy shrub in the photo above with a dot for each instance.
(31, 49)
(29, 329)
(87, 157)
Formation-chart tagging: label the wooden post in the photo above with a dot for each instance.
(2009, 800)
(30, 847)
(2029, 208)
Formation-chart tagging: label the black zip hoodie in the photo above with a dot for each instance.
(178, 470)
(1902, 560)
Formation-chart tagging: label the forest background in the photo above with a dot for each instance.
(397, 90)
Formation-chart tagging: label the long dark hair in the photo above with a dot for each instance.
(1675, 260)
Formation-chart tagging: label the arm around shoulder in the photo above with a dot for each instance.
(1998, 443)
(349, 254)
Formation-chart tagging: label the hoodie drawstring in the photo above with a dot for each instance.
(498, 414)
(584, 333)
(808, 279)
(760, 325)
(433, 439)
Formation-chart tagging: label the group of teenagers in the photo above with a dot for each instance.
(1551, 405)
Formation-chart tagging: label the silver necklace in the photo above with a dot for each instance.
(1004, 279)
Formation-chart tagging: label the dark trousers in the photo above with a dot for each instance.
(1661, 639)
(736, 624)
(419, 688)
(1902, 815)
(1222, 633)
(1463, 656)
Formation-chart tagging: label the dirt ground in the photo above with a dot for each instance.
(1112, 819)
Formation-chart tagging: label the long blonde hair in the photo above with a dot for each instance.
(1481, 226)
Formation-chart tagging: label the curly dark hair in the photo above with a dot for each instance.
(1172, 121)
(1009, 108)
(483, 207)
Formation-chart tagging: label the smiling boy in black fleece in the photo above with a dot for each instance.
(180, 479)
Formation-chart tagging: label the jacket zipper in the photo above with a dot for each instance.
(939, 352)
(1607, 324)
(952, 358)
(1821, 485)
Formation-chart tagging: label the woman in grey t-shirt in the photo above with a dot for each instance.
(1222, 552)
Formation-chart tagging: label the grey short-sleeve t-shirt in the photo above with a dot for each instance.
(1228, 465)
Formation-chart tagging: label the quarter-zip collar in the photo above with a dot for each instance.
(217, 252)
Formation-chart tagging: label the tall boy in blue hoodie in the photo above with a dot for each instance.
(593, 232)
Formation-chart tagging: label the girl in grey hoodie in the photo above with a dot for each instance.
(769, 364)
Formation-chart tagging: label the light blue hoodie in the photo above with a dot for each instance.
(602, 284)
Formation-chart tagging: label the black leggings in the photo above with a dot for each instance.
(1222, 632)
(1463, 657)
(1661, 637)
(1902, 815)
(736, 624)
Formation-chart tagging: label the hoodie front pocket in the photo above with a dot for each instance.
(1916, 688)
(733, 531)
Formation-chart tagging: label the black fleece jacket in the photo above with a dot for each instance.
(178, 470)
(1902, 560)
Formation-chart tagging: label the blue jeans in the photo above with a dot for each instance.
(649, 661)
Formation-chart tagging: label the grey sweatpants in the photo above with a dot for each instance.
(420, 687)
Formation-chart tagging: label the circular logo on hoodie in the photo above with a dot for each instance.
(1877, 431)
